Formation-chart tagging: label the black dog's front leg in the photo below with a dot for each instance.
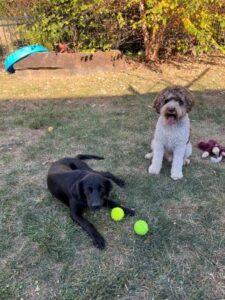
(111, 204)
(120, 182)
(76, 215)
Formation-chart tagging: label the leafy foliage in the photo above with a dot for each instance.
(161, 28)
(184, 25)
(72, 22)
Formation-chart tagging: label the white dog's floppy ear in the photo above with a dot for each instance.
(158, 101)
(189, 99)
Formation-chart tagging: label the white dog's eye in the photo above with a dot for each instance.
(181, 102)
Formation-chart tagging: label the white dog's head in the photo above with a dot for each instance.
(173, 103)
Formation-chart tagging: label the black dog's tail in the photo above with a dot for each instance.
(88, 156)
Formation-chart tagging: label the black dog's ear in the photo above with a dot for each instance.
(108, 187)
(78, 189)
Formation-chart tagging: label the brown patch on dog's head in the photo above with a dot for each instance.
(177, 93)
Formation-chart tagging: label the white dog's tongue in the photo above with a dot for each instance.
(171, 120)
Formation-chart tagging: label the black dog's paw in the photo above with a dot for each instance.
(121, 182)
(99, 242)
(130, 212)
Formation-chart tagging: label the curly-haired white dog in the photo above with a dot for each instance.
(172, 133)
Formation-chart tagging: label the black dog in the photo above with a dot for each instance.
(72, 181)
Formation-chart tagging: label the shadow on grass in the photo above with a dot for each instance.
(42, 247)
(35, 114)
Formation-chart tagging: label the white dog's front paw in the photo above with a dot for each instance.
(149, 155)
(176, 175)
(187, 161)
(153, 170)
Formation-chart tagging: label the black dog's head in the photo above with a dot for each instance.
(92, 189)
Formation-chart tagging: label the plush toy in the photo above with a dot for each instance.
(213, 149)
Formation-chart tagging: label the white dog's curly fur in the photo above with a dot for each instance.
(172, 133)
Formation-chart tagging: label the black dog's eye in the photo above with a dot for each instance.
(166, 101)
(99, 188)
(90, 189)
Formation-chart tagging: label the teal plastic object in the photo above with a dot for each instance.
(20, 54)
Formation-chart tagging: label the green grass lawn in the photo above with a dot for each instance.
(44, 255)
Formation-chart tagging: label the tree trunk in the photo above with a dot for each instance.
(157, 43)
(147, 44)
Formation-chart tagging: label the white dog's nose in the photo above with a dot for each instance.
(171, 109)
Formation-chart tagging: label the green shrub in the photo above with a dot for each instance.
(161, 28)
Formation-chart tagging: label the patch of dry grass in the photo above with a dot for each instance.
(137, 80)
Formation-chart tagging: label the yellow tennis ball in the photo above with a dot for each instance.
(50, 129)
(117, 214)
(141, 227)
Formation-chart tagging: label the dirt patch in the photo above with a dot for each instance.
(182, 211)
(19, 136)
(12, 144)
(216, 280)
